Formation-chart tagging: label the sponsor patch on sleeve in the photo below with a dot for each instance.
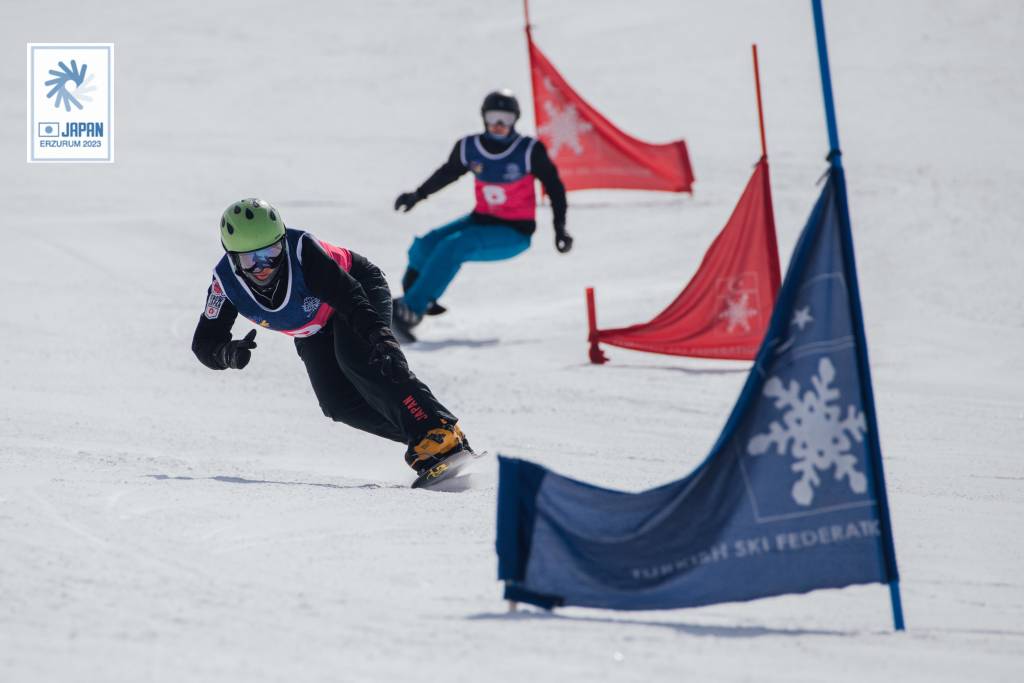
(215, 301)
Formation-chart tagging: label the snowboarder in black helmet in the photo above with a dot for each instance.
(337, 306)
(504, 164)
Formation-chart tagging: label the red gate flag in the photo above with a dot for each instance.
(589, 150)
(723, 312)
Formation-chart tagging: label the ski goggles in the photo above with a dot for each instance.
(267, 257)
(506, 118)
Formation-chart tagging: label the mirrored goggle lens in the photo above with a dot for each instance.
(261, 258)
(505, 117)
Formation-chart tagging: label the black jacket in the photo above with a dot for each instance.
(327, 280)
(541, 166)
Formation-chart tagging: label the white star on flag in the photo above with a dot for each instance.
(736, 313)
(801, 317)
(564, 125)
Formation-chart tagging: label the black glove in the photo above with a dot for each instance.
(386, 355)
(407, 200)
(236, 354)
(563, 241)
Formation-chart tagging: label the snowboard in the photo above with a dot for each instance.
(402, 333)
(448, 470)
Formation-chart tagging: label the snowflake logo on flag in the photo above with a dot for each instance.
(813, 434)
(564, 125)
(737, 312)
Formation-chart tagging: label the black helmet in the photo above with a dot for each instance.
(500, 100)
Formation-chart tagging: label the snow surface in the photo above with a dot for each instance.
(162, 522)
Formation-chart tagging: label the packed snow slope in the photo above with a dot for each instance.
(163, 522)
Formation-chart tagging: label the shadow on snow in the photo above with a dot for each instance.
(242, 480)
(689, 629)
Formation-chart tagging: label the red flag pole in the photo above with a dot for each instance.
(533, 86)
(776, 275)
(596, 354)
(760, 110)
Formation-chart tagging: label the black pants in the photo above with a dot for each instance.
(352, 391)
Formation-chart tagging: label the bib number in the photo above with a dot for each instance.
(494, 195)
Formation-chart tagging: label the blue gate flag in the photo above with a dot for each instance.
(790, 499)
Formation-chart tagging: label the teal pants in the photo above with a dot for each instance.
(439, 254)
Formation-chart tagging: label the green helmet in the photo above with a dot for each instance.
(250, 224)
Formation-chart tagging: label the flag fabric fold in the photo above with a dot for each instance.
(589, 150)
(724, 310)
(790, 499)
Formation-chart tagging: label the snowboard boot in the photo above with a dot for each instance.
(408, 280)
(403, 319)
(436, 446)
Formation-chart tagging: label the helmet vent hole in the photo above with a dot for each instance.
(222, 221)
(273, 216)
(238, 209)
(249, 214)
(231, 229)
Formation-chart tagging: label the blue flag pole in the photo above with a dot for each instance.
(826, 85)
(874, 446)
